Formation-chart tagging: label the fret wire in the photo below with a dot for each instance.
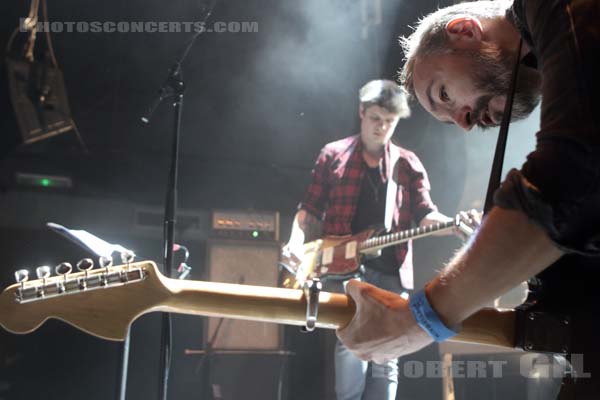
(401, 235)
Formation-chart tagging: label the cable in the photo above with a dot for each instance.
(31, 24)
(12, 37)
(48, 37)
(183, 269)
(78, 134)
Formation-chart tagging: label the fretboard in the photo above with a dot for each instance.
(381, 242)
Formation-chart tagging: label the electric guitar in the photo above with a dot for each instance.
(105, 301)
(339, 257)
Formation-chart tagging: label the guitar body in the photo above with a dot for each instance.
(339, 257)
(331, 257)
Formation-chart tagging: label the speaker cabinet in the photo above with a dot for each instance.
(249, 263)
(39, 99)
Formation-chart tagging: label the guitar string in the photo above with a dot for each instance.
(379, 240)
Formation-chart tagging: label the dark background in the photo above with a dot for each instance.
(258, 107)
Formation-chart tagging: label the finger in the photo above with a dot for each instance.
(467, 230)
(289, 262)
(475, 213)
(463, 232)
(365, 357)
(295, 259)
(465, 217)
(362, 355)
(476, 216)
(380, 360)
(357, 289)
(352, 287)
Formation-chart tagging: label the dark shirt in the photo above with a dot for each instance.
(370, 213)
(370, 208)
(333, 194)
(558, 187)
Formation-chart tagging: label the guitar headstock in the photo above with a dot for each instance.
(102, 301)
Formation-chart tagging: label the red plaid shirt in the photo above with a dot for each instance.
(336, 181)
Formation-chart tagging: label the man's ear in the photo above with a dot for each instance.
(464, 31)
(361, 111)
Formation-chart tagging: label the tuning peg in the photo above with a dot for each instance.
(85, 265)
(105, 261)
(63, 269)
(22, 276)
(43, 272)
(127, 257)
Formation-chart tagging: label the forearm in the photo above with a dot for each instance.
(304, 227)
(506, 250)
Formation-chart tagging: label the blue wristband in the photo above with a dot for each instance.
(428, 319)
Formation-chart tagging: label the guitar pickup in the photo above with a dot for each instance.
(327, 256)
(351, 250)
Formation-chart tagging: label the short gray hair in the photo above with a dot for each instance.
(430, 35)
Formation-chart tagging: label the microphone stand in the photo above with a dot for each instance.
(206, 388)
(173, 87)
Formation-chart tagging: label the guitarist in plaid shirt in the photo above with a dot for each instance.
(348, 195)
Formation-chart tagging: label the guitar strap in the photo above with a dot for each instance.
(530, 332)
(496, 173)
(406, 270)
(392, 188)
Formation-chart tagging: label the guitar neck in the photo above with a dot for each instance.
(288, 306)
(489, 326)
(255, 303)
(381, 242)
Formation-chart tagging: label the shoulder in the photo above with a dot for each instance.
(340, 146)
(340, 149)
(516, 15)
(409, 158)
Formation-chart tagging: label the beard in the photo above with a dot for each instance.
(492, 75)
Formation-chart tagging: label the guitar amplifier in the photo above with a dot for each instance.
(250, 263)
(245, 225)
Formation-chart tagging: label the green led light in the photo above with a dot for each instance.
(45, 182)
(254, 234)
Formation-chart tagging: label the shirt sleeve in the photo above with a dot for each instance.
(421, 203)
(558, 187)
(316, 195)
